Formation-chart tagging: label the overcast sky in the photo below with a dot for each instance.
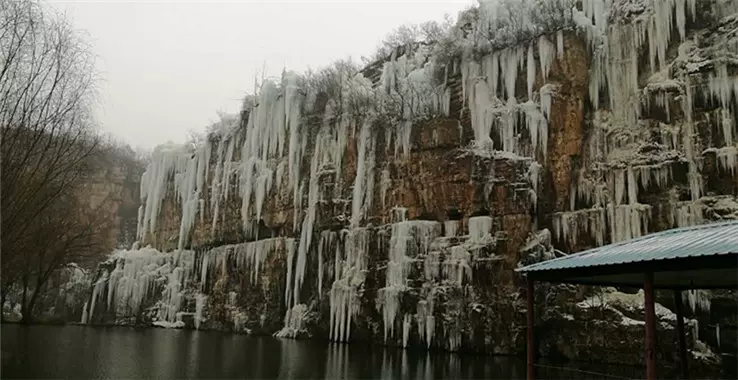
(168, 66)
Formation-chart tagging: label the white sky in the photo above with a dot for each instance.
(168, 66)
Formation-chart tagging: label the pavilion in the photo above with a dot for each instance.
(699, 257)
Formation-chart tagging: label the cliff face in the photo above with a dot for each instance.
(114, 189)
(109, 193)
(394, 206)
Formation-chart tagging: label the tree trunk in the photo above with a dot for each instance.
(3, 295)
(26, 318)
(31, 303)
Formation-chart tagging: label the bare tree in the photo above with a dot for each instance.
(47, 145)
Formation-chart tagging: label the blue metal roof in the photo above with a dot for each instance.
(714, 239)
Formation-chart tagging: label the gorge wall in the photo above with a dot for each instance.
(108, 193)
(392, 204)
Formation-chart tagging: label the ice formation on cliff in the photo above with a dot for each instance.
(350, 272)
(409, 240)
(142, 276)
(295, 136)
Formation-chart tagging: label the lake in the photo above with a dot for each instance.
(118, 352)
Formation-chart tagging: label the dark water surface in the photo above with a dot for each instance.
(79, 352)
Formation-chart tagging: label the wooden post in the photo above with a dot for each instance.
(531, 344)
(650, 328)
(680, 330)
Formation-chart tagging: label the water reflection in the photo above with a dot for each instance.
(88, 352)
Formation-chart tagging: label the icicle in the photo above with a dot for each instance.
(432, 266)
(727, 124)
(96, 292)
(509, 60)
(409, 239)
(327, 239)
(399, 214)
(537, 127)
(628, 221)
(632, 187)
(457, 268)
(479, 227)
(727, 158)
(698, 300)
(450, 228)
(614, 66)
(479, 100)
(200, 300)
(306, 232)
(221, 176)
(350, 272)
(364, 181)
(406, 325)
(531, 71)
(546, 53)
(717, 334)
(534, 177)
(425, 320)
(569, 225)
(546, 93)
(84, 314)
(385, 183)
(688, 213)
(289, 280)
(293, 102)
(164, 161)
(481, 118)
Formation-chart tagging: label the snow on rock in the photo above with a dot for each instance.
(722, 207)
(538, 247)
(294, 322)
(625, 304)
(13, 312)
(169, 325)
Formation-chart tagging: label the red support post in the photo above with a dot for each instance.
(650, 328)
(531, 344)
(680, 331)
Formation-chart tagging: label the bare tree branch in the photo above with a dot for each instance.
(48, 149)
